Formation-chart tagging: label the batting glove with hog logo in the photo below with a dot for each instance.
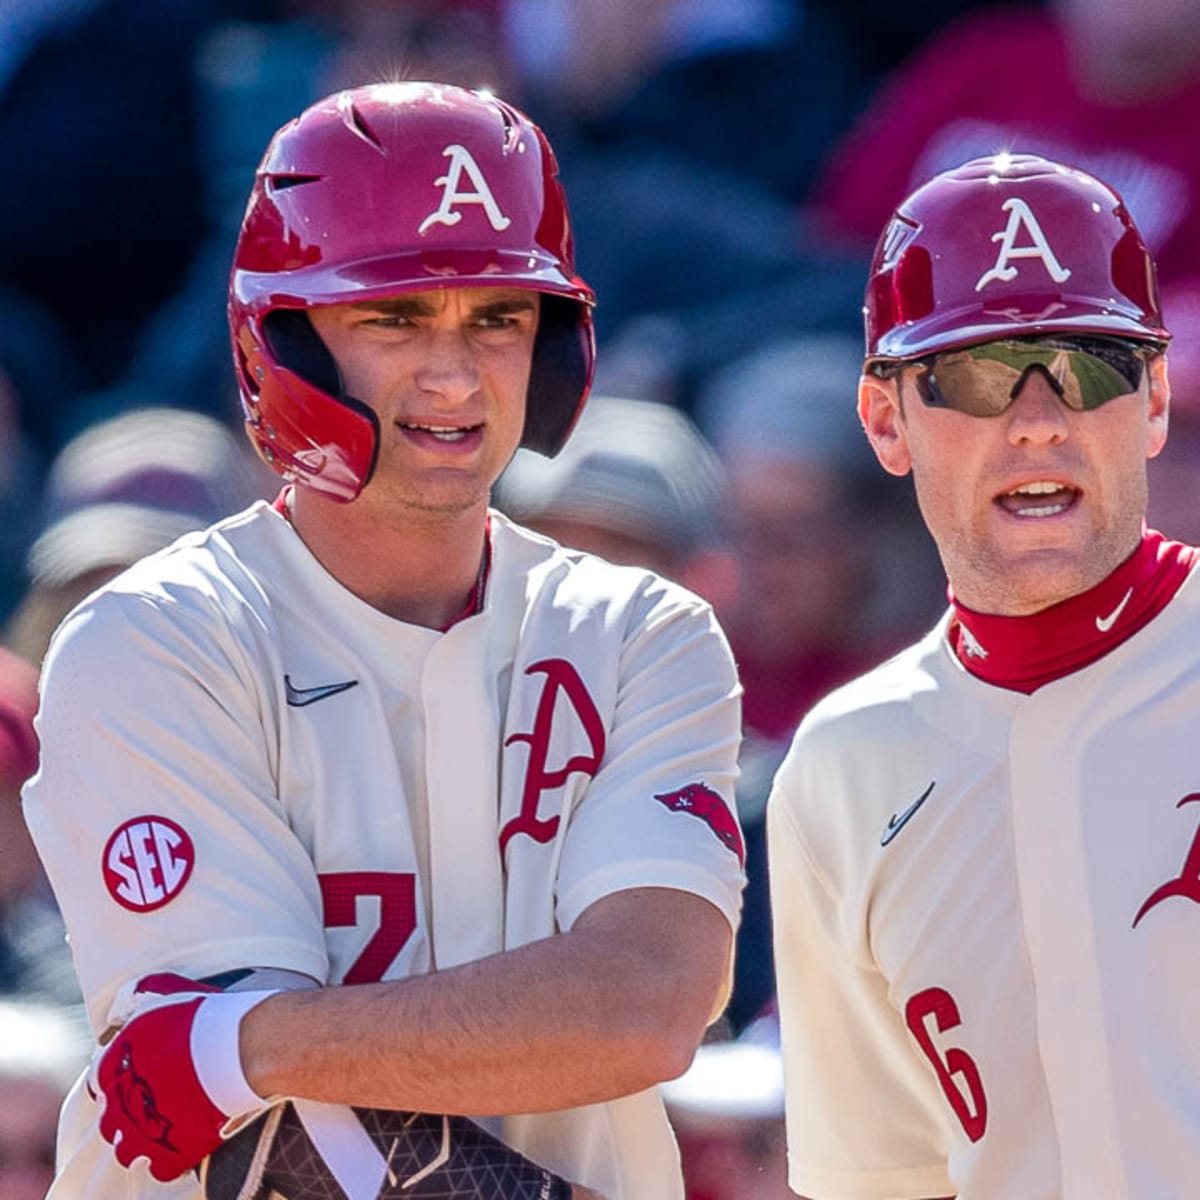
(170, 1080)
(174, 1094)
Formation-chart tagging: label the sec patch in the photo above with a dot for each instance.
(147, 862)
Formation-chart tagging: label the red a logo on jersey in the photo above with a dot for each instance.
(1187, 882)
(561, 679)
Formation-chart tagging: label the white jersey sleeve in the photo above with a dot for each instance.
(659, 812)
(155, 750)
(861, 1117)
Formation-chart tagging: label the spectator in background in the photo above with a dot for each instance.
(42, 1049)
(1174, 480)
(727, 1112)
(120, 490)
(885, 33)
(813, 535)
(101, 205)
(37, 379)
(636, 484)
(692, 79)
(1112, 86)
(33, 949)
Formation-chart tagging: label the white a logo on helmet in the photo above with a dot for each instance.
(1020, 217)
(461, 163)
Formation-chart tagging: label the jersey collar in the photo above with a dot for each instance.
(474, 605)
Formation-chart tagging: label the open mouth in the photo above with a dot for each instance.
(1039, 499)
(441, 433)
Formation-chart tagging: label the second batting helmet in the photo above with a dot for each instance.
(1008, 246)
(383, 190)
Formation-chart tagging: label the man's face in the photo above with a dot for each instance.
(446, 372)
(796, 533)
(1032, 506)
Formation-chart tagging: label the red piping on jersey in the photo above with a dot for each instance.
(475, 599)
(474, 602)
(1023, 653)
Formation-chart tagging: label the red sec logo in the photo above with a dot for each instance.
(146, 863)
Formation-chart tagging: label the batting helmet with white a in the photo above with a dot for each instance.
(1008, 246)
(378, 191)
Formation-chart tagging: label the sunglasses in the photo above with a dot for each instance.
(984, 380)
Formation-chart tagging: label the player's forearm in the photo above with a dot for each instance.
(603, 1011)
(412, 1046)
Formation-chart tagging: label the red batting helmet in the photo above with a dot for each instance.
(1008, 246)
(378, 191)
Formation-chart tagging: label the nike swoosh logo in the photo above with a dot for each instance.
(897, 821)
(299, 697)
(1104, 624)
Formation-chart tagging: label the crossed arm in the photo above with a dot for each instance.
(603, 1010)
(614, 1005)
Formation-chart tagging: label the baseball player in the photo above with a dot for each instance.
(985, 857)
(377, 735)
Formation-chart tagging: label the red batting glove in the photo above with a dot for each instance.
(156, 1079)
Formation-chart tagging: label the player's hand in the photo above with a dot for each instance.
(579, 1192)
(148, 1077)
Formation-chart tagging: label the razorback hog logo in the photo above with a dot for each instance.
(136, 1098)
(701, 801)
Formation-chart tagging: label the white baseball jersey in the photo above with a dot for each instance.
(246, 765)
(987, 920)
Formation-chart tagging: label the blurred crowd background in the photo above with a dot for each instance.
(729, 164)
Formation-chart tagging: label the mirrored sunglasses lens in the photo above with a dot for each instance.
(984, 380)
(979, 389)
(1098, 379)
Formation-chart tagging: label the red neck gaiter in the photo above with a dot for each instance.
(1023, 653)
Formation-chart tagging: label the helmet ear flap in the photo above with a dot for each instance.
(560, 376)
(304, 424)
(295, 344)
